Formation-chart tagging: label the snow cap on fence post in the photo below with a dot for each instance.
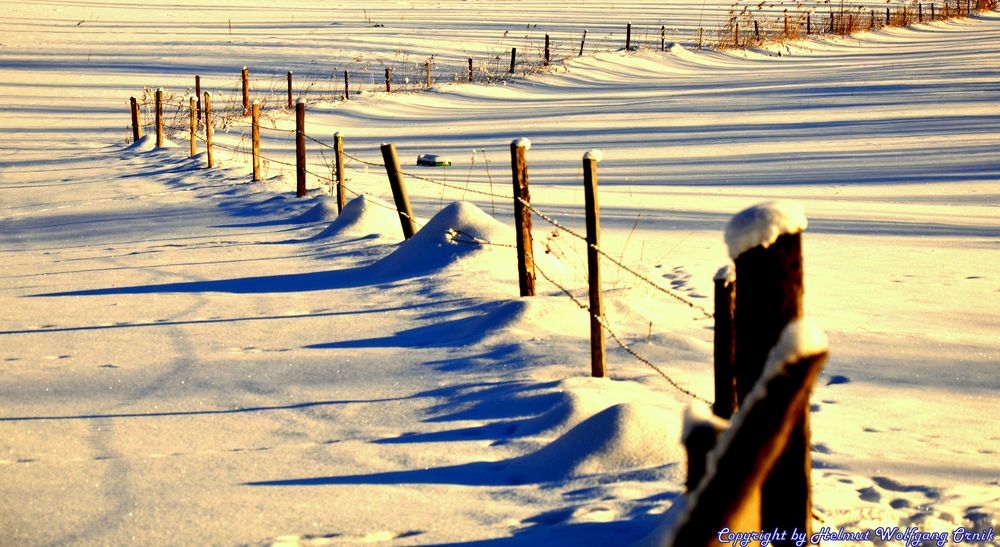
(522, 217)
(761, 225)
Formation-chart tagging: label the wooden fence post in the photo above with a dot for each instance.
(756, 31)
(786, 23)
(194, 125)
(932, 11)
(255, 138)
(700, 435)
(701, 36)
(289, 89)
(208, 128)
(427, 84)
(347, 87)
(663, 38)
(300, 148)
(548, 56)
(398, 190)
(582, 42)
(736, 34)
(628, 36)
(725, 380)
(136, 119)
(809, 26)
(888, 18)
(920, 13)
(197, 94)
(471, 73)
(246, 91)
(765, 242)
(598, 368)
(522, 217)
(513, 58)
(159, 118)
(338, 151)
(388, 80)
(872, 26)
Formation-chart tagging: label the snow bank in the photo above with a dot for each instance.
(324, 209)
(760, 225)
(624, 437)
(450, 236)
(362, 216)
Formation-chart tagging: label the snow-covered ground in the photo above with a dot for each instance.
(188, 357)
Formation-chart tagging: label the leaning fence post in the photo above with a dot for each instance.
(289, 89)
(194, 125)
(208, 128)
(338, 154)
(513, 58)
(583, 41)
(255, 138)
(159, 118)
(246, 91)
(548, 57)
(765, 242)
(522, 217)
(725, 380)
(136, 119)
(300, 148)
(197, 94)
(598, 368)
(398, 190)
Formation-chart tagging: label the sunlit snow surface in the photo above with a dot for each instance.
(190, 358)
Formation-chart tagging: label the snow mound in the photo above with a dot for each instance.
(761, 225)
(362, 216)
(454, 234)
(324, 209)
(623, 437)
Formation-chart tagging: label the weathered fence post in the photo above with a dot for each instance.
(725, 380)
(786, 23)
(194, 125)
(290, 104)
(833, 18)
(872, 26)
(427, 84)
(701, 36)
(583, 41)
(246, 91)
(888, 18)
(208, 128)
(548, 55)
(736, 34)
(159, 118)
(197, 94)
(300, 148)
(598, 368)
(255, 138)
(663, 38)
(932, 11)
(398, 190)
(513, 59)
(700, 434)
(338, 154)
(809, 26)
(347, 87)
(756, 31)
(136, 119)
(765, 242)
(522, 217)
(388, 80)
(920, 13)
(471, 73)
(628, 36)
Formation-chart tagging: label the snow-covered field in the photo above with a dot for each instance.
(191, 358)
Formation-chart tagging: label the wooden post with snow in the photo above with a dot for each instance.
(136, 119)
(548, 55)
(290, 104)
(399, 194)
(300, 148)
(765, 242)
(338, 155)
(628, 36)
(194, 125)
(513, 59)
(427, 83)
(246, 91)
(725, 380)
(522, 217)
(159, 118)
(747, 455)
(208, 128)
(700, 435)
(255, 138)
(347, 87)
(598, 360)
